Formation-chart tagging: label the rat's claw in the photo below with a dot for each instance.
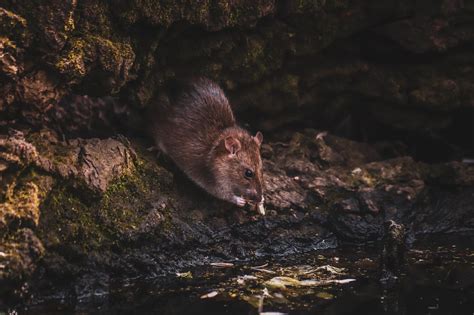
(239, 201)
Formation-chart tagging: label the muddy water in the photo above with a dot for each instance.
(436, 279)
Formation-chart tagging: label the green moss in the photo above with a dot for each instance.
(225, 11)
(211, 14)
(69, 26)
(112, 53)
(82, 52)
(74, 216)
(249, 59)
(362, 179)
(159, 12)
(94, 18)
(123, 204)
(57, 154)
(21, 199)
(73, 62)
(21, 203)
(67, 219)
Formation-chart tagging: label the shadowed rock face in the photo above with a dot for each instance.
(394, 77)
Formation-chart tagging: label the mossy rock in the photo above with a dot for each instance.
(97, 54)
(97, 221)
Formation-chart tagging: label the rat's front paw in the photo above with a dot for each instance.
(238, 201)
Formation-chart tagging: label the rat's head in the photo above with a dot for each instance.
(237, 167)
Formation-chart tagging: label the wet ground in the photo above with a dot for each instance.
(437, 279)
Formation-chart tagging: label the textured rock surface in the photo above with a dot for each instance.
(395, 77)
(106, 207)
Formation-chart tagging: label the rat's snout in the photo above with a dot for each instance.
(253, 195)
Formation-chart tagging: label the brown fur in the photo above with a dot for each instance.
(194, 125)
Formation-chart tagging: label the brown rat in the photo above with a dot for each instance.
(193, 123)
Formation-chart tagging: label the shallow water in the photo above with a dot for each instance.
(436, 280)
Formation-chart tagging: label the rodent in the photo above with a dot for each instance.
(193, 124)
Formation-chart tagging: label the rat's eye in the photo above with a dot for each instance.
(248, 174)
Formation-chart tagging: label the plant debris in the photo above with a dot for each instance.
(222, 265)
(185, 275)
(209, 295)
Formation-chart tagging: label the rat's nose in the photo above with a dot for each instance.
(253, 195)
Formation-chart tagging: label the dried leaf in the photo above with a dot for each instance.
(185, 275)
(331, 269)
(209, 295)
(325, 295)
(222, 265)
(283, 282)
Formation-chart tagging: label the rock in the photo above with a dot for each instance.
(393, 253)
(22, 207)
(100, 58)
(8, 61)
(40, 90)
(28, 175)
(19, 255)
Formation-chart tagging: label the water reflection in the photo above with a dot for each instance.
(436, 280)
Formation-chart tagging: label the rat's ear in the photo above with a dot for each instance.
(258, 137)
(232, 145)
